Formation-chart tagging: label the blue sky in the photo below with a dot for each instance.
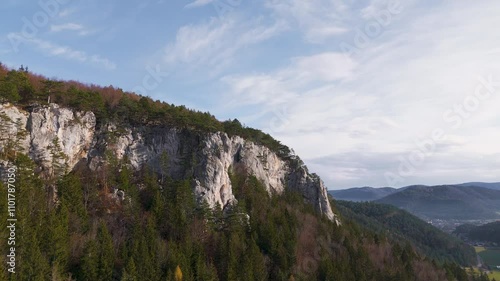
(373, 92)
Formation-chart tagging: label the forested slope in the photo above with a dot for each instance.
(399, 225)
(119, 223)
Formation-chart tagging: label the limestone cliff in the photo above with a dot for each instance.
(206, 158)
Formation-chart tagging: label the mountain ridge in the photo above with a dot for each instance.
(447, 202)
(365, 193)
(373, 193)
(80, 138)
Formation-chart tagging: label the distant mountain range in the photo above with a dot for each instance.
(447, 202)
(467, 201)
(490, 185)
(366, 193)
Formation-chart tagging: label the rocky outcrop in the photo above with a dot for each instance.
(73, 131)
(44, 130)
(207, 159)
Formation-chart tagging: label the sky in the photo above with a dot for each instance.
(367, 93)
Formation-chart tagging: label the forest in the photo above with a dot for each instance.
(160, 233)
(113, 104)
(399, 225)
(489, 232)
(71, 226)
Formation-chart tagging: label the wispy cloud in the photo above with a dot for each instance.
(376, 7)
(318, 20)
(67, 12)
(215, 43)
(198, 3)
(80, 29)
(52, 49)
(378, 104)
(285, 85)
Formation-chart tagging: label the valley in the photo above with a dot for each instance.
(490, 257)
(450, 225)
(445, 207)
(468, 212)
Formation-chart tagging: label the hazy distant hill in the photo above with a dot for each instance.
(447, 202)
(489, 232)
(362, 193)
(402, 226)
(490, 185)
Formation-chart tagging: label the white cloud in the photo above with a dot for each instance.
(66, 12)
(215, 43)
(80, 29)
(324, 67)
(285, 84)
(378, 6)
(66, 26)
(65, 52)
(318, 20)
(389, 96)
(198, 3)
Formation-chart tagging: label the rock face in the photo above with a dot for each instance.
(73, 131)
(207, 159)
(39, 132)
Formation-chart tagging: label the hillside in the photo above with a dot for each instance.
(490, 185)
(489, 232)
(357, 194)
(114, 186)
(447, 202)
(401, 226)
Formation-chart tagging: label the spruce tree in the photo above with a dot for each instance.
(60, 235)
(58, 163)
(106, 253)
(90, 262)
(130, 271)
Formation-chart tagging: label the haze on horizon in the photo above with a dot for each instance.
(367, 93)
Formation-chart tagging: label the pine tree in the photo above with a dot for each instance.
(204, 271)
(124, 178)
(71, 196)
(8, 91)
(106, 253)
(58, 163)
(90, 262)
(32, 263)
(6, 139)
(130, 271)
(20, 135)
(60, 237)
(164, 166)
(51, 91)
(35, 265)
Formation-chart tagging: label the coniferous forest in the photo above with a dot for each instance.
(72, 227)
